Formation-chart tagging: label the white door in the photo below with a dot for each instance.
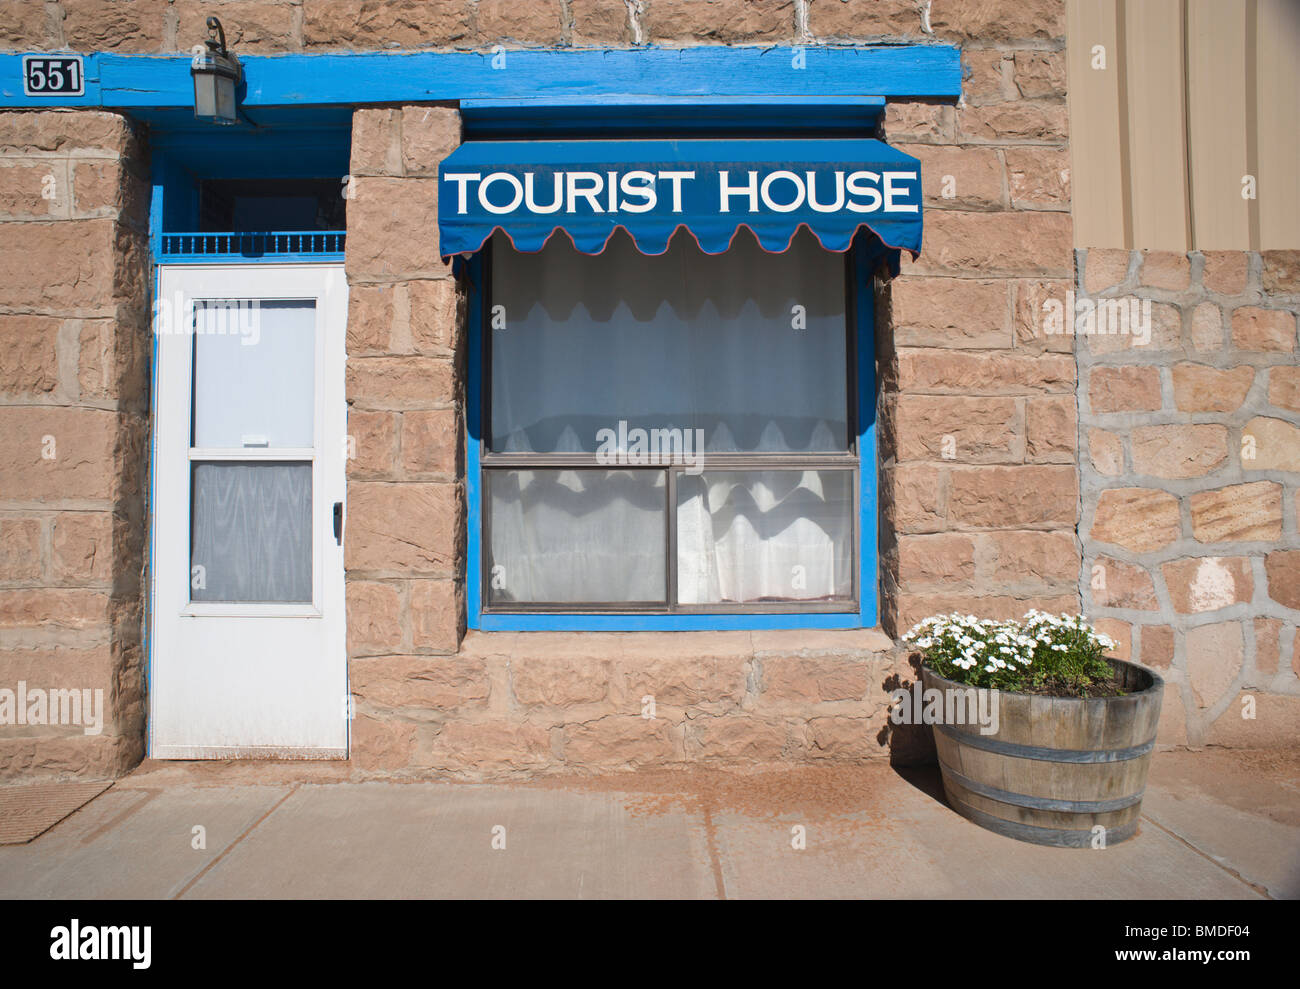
(247, 652)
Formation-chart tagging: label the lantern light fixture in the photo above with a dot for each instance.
(216, 73)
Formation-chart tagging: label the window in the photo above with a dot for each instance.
(669, 434)
(251, 453)
(259, 205)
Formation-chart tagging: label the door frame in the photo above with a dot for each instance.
(328, 602)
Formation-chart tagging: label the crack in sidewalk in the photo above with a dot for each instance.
(1261, 890)
(226, 851)
(711, 838)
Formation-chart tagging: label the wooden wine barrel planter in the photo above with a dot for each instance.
(1057, 766)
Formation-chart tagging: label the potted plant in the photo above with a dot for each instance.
(1059, 749)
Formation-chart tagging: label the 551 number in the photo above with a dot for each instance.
(53, 75)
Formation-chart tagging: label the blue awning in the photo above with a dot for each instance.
(651, 188)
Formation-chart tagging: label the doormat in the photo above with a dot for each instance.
(30, 809)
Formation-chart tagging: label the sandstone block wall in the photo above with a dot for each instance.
(267, 26)
(986, 525)
(978, 483)
(74, 385)
(524, 704)
(404, 544)
(979, 432)
(982, 415)
(1191, 484)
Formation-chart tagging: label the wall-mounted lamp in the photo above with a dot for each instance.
(216, 73)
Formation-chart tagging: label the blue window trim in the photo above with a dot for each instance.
(620, 75)
(862, 311)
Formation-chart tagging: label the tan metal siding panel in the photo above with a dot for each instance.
(1096, 168)
(1157, 133)
(1196, 95)
(1217, 119)
(1278, 117)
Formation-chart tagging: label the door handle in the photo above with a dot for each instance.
(338, 522)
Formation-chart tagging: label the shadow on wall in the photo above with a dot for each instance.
(909, 745)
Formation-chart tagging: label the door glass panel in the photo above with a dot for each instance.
(254, 373)
(764, 535)
(251, 532)
(577, 535)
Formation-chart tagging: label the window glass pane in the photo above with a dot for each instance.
(764, 535)
(254, 373)
(243, 205)
(576, 535)
(746, 347)
(251, 532)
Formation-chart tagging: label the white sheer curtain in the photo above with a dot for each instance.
(747, 346)
(577, 535)
(251, 532)
(772, 535)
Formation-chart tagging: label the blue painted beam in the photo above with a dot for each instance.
(534, 102)
(614, 75)
(593, 116)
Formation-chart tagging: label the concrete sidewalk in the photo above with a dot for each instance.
(1215, 825)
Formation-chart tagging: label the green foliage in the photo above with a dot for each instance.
(1060, 654)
